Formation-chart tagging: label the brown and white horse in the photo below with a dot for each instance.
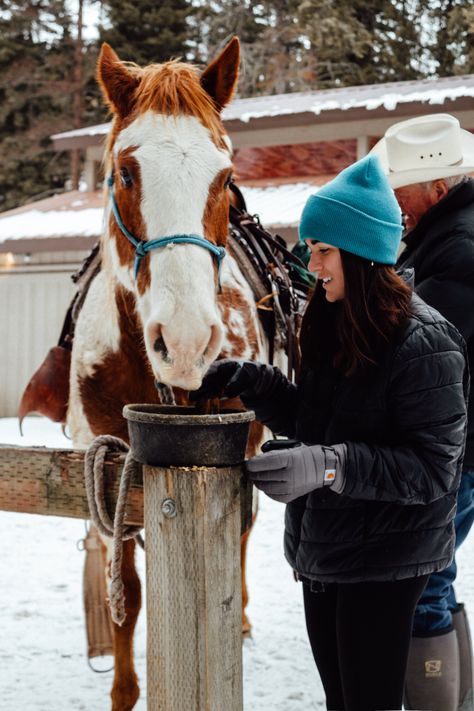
(170, 166)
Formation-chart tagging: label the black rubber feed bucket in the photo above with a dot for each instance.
(163, 435)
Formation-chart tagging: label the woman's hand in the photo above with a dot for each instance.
(227, 378)
(287, 474)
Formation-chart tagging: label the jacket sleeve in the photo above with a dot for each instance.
(274, 402)
(426, 397)
(454, 300)
(450, 289)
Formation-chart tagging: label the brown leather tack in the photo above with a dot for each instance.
(48, 390)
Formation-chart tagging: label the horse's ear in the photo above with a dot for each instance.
(116, 80)
(220, 78)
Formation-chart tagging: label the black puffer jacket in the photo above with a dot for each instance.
(404, 423)
(441, 249)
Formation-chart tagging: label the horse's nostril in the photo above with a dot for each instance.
(160, 347)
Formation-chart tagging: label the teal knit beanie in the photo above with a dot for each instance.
(357, 211)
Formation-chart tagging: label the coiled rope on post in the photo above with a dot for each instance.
(116, 529)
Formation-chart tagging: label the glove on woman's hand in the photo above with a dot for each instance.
(227, 378)
(286, 474)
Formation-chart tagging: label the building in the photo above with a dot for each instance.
(285, 146)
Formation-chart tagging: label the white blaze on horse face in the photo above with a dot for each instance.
(178, 162)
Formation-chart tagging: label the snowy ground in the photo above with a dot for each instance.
(42, 644)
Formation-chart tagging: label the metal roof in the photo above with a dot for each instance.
(342, 104)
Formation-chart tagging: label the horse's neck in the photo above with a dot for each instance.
(109, 365)
(244, 334)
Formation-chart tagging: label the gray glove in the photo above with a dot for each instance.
(287, 474)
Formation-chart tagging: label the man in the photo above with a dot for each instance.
(427, 160)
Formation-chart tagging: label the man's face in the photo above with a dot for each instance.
(415, 200)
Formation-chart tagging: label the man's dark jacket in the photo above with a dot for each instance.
(441, 250)
(404, 424)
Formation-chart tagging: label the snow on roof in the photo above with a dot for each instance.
(277, 206)
(386, 96)
(99, 129)
(64, 223)
(373, 96)
(68, 214)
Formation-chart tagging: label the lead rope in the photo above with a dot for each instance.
(116, 529)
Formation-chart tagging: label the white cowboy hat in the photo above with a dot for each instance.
(425, 148)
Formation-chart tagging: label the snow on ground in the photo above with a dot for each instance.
(42, 641)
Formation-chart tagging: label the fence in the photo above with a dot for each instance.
(193, 520)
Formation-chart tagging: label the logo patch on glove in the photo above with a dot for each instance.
(329, 476)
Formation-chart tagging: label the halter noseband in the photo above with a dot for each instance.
(142, 248)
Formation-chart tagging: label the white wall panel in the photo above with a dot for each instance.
(32, 310)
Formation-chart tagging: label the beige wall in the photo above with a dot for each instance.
(32, 308)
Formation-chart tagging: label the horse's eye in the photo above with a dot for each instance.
(126, 177)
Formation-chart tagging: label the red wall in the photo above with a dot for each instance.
(300, 160)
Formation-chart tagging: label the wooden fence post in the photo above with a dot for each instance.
(194, 640)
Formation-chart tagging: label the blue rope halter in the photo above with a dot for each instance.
(142, 248)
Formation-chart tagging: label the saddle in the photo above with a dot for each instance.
(278, 278)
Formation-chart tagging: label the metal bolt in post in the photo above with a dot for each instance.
(168, 508)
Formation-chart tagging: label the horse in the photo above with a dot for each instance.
(166, 302)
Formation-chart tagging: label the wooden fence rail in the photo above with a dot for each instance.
(50, 482)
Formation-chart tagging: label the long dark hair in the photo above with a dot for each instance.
(354, 333)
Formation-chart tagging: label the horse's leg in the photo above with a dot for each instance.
(125, 690)
(246, 626)
(253, 445)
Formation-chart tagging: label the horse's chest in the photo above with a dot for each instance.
(110, 364)
(116, 381)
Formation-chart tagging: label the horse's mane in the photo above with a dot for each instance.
(173, 88)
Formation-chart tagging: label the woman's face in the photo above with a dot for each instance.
(326, 260)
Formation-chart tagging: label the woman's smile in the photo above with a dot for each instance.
(323, 258)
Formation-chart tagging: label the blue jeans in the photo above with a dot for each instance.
(438, 601)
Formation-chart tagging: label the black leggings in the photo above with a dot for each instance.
(360, 636)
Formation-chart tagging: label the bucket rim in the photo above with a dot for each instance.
(152, 413)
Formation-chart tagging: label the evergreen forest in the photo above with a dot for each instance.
(47, 59)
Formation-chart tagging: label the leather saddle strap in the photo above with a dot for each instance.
(265, 248)
(247, 220)
(83, 277)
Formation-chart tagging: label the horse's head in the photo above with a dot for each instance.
(169, 166)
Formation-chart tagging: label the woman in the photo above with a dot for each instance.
(379, 417)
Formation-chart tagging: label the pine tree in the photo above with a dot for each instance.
(215, 22)
(271, 46)
(35, 65)
(453, 45)
(284, 64)
(363, 41)
(461, 32)
(402, 44)
(296, 45)
(144, 31)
